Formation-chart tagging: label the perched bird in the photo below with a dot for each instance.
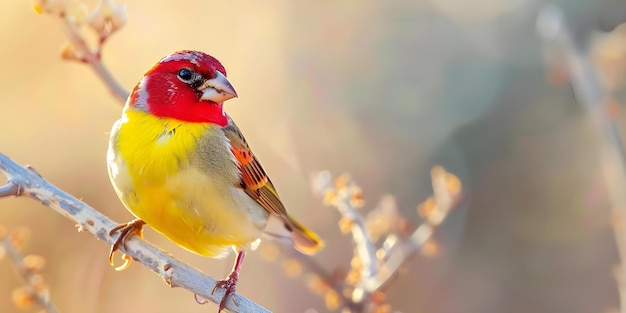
(179, 164)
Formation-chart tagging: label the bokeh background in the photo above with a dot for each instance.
(379, 89)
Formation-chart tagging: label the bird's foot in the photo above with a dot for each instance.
(230, 286)
(134, 227)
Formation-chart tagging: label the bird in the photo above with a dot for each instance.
(180, 165)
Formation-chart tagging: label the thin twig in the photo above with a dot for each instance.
(365, 248)
(552, 27)
(173, 271)
(378, 270)
(9, 190)
(445, 201)
(29, 277)
(95, 61)
(341, 197)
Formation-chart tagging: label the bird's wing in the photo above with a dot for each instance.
(254, 181)
(259, 187)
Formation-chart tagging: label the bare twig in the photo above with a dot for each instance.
(104, 21)
(10, 189)
(38, 289)
(366, 250)
(552, 27)
(380, 265)
(399, 253)
(173, 271)
(341, 198)
(95, 61)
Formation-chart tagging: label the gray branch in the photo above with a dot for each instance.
(173, 271)
(15, 257)
(589, 90)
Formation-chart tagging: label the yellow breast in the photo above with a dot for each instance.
(180, 177)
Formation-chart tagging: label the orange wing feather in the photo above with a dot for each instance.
(259, 187)
(254, 180)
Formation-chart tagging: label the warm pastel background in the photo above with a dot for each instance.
(380, 89)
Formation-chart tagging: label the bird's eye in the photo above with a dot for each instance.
(185, 75)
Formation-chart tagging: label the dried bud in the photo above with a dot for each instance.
(356, 262)
(23, 297)
(430, 248)
(353, 277)
(427, 207)
(54, 7)
(446, 187)
(330, 197)
(69, 53)
(341, 183)
(332, 300)
(18, 237)
(437, 171)
(108, 18)
(33, 263)
(345, 225)
(453, 184)
(436, 217)
(356, 197)
(378, 297)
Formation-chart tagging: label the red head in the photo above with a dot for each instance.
(186, 85)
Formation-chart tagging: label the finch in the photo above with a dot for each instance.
(179, 164)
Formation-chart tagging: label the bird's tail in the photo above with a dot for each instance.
(289, 230)
(304, 239)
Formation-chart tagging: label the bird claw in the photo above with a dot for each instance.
(230, 287)
(134, 227)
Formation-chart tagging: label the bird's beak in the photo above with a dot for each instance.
(217, 89)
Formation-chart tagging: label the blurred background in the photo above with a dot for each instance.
(382, 90)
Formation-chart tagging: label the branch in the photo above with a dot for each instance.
(105, 20)
(447, 195)
(10, 189)
(552, 27)
(174, 272)
(94, 59)
(378, 266)
(365, 248)
(37, 288)
(344, 196)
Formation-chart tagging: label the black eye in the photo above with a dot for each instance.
(185, 75)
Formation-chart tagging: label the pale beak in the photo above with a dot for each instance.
(217, 89)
